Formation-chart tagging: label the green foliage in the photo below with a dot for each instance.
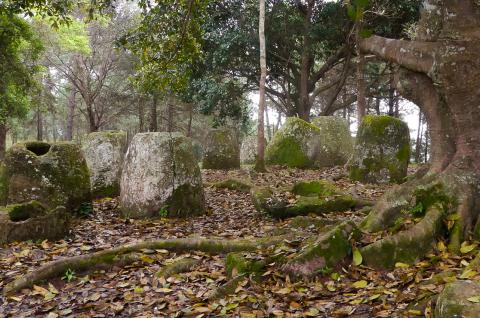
(19, 48)
(167, 42)
(69, 275)
(163, 212)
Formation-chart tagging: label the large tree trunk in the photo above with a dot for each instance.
(260, 160)
(440, 72)
(39, 124)
(361, 84)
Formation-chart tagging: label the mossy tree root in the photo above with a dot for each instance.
(114, 256)
(407, 246)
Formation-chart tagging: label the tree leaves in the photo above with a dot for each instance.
(357, 257)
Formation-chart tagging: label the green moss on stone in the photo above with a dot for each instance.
(3, 184)
(234, 184)
(222, 150)
(185, 201)
(260, 196)
(314, 188)
(59, 177)
(24, 211)
(301, 144)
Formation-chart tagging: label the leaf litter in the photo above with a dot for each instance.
(348, 290)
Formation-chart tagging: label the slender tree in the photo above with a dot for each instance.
(260, 161)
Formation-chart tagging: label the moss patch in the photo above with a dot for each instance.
(234, 184)
(24, 211)
(222, 150)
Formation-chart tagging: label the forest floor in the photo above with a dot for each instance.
(135, 291)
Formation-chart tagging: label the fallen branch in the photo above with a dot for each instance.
(114, 256)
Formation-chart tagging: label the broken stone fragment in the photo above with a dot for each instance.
(161, 177)
(32, 221)
(104, 152)
(382, 150)
(326, 142)
(222, 150)
(454, 301)
(55, 174)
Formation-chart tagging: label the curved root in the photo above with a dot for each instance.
(116, 255)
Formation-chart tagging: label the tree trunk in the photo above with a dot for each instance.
(391, 95)
(441, 74)
(39, 124)
(260, 160)
(153, 114)
(361, 85)
(72, 104)
(141, 115)
(418, 143)
(3, 140)
(267, 120)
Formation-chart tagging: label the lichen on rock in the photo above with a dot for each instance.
(382, 150)
(222, 150)
(161, 177)
(248, 150)
(104, 152)
(55, 174)
(32, 221)
(325, 142)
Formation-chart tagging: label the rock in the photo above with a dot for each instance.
(453, 301)
(32, 221)
(248, 150)
(197, 150)
(318, 197)
(234, 184)
(299, 144)
(104, 152)
(331, 247)
(222, 150)
(161, 177)
(55, 174)
(382, 150)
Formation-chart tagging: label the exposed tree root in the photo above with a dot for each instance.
(180, 266)
(115, 255)
(228, 288)
(407, 246)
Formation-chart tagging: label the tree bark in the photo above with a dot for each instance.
(72, 104)
(39, 124)
(3, 139)
(153, 114)
(260, 160)
(440, 72)
(361, 84)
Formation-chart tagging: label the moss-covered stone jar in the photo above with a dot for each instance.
(325, 142)
(161, 177)
(222, 150)
(55, 174)
(382, 150)
(104, 152)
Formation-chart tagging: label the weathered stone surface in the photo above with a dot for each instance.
(222, 150)
(161, 177)
(336, 143)
(382, 150)
(453, 301)
(324, 143)
(55, 174)
(318, 197)
(331, 247)
(32, 221)
(104, 152)
(248, 150)
(234, 184)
